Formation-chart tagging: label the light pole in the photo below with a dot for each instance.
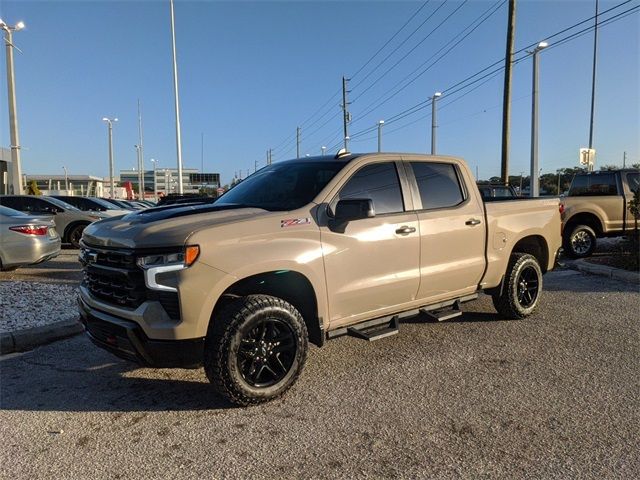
(66, 179)
(324, 149)
(139, 169)
(13, 107)
(380, 124)
(534, 189)
(177, 99)
(110, 122)
(155, 186)
(434, 122)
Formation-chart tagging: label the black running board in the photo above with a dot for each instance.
(386, 323)
(375, 332)
(442, 315)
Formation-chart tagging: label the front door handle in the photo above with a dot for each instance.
(472, 221)
(404, 230)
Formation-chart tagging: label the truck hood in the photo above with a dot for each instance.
(168, 226)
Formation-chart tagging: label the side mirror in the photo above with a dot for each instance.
(354, 209)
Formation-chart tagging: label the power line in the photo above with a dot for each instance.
(412, 49)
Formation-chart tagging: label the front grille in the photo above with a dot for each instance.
(114, 277)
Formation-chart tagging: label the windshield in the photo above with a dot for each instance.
(61, 204)
(283, 186)
(10, 212)
(104, 203)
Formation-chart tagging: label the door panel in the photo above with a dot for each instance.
(452, 231)
(370, 267)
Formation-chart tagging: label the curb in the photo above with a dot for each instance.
(28, 338)
(604, 271)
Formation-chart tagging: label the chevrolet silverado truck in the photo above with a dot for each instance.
(597, 205)
(303, 251)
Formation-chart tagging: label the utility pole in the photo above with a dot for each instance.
(202, 152)
(559, 173)
(506, 99)
(380, 124)
(255, 166)
(17, 186)
(624, 160)
(141, 151)
(177, 100)
(346, 116)
(297, 142)
(434, 121)
(593, 76)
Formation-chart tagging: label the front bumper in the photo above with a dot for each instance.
(126, 339)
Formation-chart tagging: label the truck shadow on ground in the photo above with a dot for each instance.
(73, 376)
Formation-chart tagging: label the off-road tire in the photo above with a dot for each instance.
(75, 234)
(511, 303)
(579, 241)
(237, 321)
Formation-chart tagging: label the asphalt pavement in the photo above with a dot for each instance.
(553, 396)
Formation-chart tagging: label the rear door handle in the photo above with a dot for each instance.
(472, 221)
(404, 230)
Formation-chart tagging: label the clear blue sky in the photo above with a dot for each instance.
(251, 71)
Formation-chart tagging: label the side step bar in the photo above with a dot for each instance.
(389, 325)
(375, 332)
(442, 315)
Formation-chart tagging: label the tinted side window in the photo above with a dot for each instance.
(438, 184)
(634, 181)
(379, 182)
(594, 185)
(12, 202)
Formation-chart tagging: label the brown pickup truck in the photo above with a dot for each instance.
(597, 205)
(303, 251)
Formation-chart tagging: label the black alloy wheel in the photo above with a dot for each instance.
(266, 353)
(528, 287)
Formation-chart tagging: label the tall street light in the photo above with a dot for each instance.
(155, 186)
(434, 121)
(380, 124)
(177, 100)
(534, 188)
(13, 107)
(109, 123)
(139, 169)
(324, 149)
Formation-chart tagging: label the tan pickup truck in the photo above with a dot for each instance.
(597, 205)
(303, 251)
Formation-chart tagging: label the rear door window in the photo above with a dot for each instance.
(380, 183)
(634, 181)
(594, 185)
(13, 202)
(438, 184)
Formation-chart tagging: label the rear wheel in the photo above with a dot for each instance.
(579, 241)
(522, 288)
(75, 234)
(256, 349)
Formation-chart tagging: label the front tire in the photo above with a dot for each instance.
(580, 241)
(522, 288)
(256, 349)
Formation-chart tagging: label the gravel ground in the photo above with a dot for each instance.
(35, 304)
(553, 396)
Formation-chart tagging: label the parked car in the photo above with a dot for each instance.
(304, 251)
(93, 204)
(597, 205)
(120, 204)
(25, 239)
(490, 191)
(70, 222)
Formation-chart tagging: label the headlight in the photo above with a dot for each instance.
(184, 258)
(159, 263)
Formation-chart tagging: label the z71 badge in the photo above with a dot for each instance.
(292, 222)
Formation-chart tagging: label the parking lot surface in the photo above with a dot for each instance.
(553, 396)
